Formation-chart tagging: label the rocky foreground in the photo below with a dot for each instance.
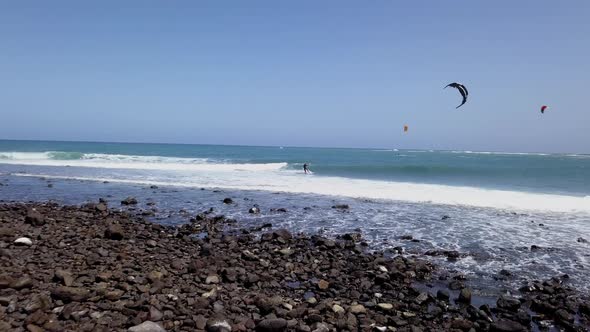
(89, 268)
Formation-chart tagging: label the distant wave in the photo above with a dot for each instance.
(98, 160)
(581, 155)
(499, 153)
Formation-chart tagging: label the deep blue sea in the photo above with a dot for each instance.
(495, 204)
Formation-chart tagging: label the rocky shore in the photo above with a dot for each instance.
(91, 268)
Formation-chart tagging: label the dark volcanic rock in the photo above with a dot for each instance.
(505, 325)
(129, 201)
(563, 316)
(443, 294)
(282, 234)
(73, 279)
(341, 206)
(34, 218)
(508, 303)
(272, 325)
(228, 200)
(114, 232)
(21, 283)
(64, 276)
(465, 295)
(69, 294)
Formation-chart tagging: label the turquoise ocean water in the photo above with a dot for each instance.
(567, 174)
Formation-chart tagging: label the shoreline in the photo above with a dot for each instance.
(94, 268)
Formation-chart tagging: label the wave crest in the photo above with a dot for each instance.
(99, 160)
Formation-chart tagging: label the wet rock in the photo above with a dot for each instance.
(282, 234)
(356, 237)
(508, 303)
(456, 285)
(341, 206)
(422, 297)
(452, 254)
(563, 316)
(443, 294)
(465, 296)
(506, 325)
(34, 218)
(228, 200)
(129, 201)
(101, 207)
(147, 326)
(23, 241)
(272, 325)
(462, 324)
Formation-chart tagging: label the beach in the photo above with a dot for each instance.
(189, 238)
(92, 268)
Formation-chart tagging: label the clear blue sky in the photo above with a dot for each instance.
(301, 73)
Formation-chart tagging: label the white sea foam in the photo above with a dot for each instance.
(7, 156)
(218, 176)
(499, 153)
(117, 161)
